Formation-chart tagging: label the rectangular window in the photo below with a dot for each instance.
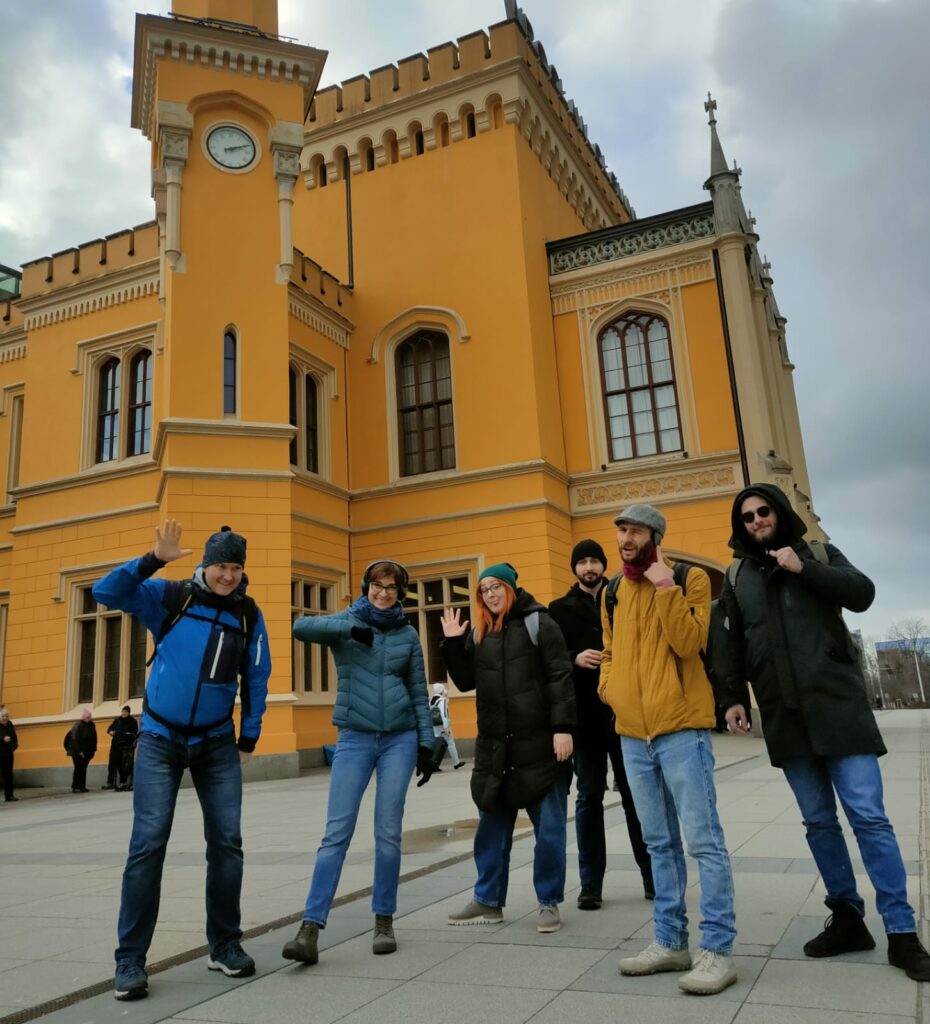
(16, 443)
(423, 605)
(229, 373)
(111, 651)
(4, 613)
(312, 667)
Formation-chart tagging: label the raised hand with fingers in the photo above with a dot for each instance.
(168, 542)
(451, 626)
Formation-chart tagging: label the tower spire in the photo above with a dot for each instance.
(723, 183)
(718, 162)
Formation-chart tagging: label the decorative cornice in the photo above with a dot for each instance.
(135, 282)
(95, 474)
(454, 477)
(13, 345)
(310, 311)
(463, 514)
(608, 244)
(90, 517)
(221, 428)
(240, 53)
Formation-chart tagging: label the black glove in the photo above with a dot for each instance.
(425, 765)
(364, 635)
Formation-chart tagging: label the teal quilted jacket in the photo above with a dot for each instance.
(381, 688)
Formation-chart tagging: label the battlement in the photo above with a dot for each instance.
(321, 286)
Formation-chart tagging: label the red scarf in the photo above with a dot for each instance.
(636, 571)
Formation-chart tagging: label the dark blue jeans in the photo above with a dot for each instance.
(217, 777)
(494, 839)
(590, 754)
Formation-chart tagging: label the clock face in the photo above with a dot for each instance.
(231, 147)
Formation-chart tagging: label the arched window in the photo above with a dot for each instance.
(305, 444)
(424, 404)
(140, 403)
(108, 411)
(470, 125)
(638, 384)
(311, 431)
(418, 142)
(229, 372)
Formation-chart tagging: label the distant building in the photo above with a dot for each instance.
(904, 670)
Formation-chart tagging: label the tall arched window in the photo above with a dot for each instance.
(140, 403)
(229, 372)
(108, 411)
(311, 431)
(303, 391)
(638, 384)
(424, 404)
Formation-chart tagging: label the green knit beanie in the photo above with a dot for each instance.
(504, 572)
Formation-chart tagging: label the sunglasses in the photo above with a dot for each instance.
(763, 512)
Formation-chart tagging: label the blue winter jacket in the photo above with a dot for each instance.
(381, 688)
(198, 664)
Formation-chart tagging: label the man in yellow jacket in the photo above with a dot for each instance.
(653, 678)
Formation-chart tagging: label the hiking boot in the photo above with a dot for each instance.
(303, 946)
(383, 941)
(131, 982)
(654, 959)
(589, 898)
(547, 918)
(906, 952)
(712, 973)
(844, 932)
(233, 961)
(476, 913)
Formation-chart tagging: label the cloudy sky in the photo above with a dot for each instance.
(824, 105)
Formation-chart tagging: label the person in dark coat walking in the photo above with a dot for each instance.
(80, 746)
(578, 614)
(123, 733)
(517, 663)
(8, 743)
(784, 632)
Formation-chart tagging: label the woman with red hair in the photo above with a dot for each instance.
(516, 661)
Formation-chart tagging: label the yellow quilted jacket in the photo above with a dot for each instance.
(652, 675)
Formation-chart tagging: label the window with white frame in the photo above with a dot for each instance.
(312, 668)
(424, 602)
(425, 418)
(110, 651)
(304, 390)
(122, 419)
(17, 407)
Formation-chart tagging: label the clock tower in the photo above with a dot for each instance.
(222, 99)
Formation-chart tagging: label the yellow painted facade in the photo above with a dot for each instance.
(454, 194)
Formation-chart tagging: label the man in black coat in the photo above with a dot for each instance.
(578, 614)
(8, 744)
(80, 746)
(123, 732)
(781, 606)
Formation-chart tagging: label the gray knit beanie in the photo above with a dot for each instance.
(644, 515)
(224, 547)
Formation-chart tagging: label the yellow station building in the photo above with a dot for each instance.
(412, 315)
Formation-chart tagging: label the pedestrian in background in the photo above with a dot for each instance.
(123, 732)
(8, 743)
(80, 746)
(442, 724)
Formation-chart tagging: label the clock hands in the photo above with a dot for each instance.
(244, 145)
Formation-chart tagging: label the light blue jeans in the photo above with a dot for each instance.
(672, 780)
(391, 757)
(857, 781)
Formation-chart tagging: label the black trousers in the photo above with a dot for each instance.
(79, 778)
(6, 769)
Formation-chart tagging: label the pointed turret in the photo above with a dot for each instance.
(723, 183)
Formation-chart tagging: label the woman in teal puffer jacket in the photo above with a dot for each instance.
(382, 712)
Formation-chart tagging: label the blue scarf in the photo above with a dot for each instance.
(390, 618)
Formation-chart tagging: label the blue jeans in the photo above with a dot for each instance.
(494, 839)
(590, 755)
(672, 779)
(391, 756)
(217, 777)
(857, 781)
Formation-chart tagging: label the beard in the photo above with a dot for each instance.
(642, 556)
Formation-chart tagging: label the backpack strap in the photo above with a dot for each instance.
(176, 599)
(532, 627)
(610, 596)
(733, 571)
(819, 551)
(680, 575)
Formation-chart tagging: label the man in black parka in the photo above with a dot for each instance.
(783, 631)
(578, 614)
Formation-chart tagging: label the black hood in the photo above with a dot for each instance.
(524, 604)
(791, 527)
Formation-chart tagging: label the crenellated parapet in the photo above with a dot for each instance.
(319, 300)
(456, 91)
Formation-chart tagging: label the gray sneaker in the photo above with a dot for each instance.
(547, 919)
(712, 973)
(477, 913)
(654, 959)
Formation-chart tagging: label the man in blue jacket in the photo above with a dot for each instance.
(210, 639)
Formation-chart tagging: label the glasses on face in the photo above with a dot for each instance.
(491, 588)
(763, 512)
(380, 588)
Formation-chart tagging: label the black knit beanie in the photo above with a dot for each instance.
(224, 547)
(588, 549)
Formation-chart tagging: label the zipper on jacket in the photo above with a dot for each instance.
(258, 656)
(216, 657)
(196, 701)
(381, 687)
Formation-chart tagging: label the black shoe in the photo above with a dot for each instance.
(461, 764)
(303, 946)
(844, 932)
(12, 799)
(906, 952)
(589, 898)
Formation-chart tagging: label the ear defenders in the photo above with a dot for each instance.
(401, 576)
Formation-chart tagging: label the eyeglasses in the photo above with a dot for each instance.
(763, 512)
(491, 588)
(380, 588)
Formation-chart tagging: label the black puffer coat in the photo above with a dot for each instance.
(578, 615)
(785, 634)
(524, 695)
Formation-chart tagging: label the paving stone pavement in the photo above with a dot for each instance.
(61, 861)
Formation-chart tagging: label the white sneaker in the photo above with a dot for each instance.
(712, 973)
(547, 918)
(654, 959)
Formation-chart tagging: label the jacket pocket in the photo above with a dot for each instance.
(222, 655)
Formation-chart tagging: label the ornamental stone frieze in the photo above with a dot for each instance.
(664, 487)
